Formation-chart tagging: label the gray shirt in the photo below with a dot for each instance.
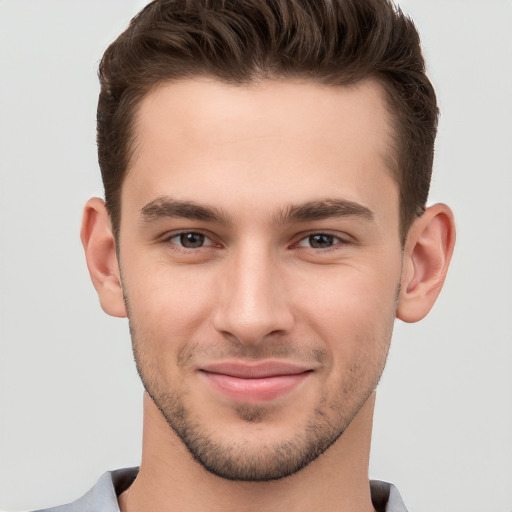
(103, 496)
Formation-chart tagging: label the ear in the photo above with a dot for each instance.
(427, 254)
(100, 253)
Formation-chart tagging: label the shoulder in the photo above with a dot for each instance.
(385, 497)
(103, 496)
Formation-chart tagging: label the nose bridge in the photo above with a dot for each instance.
(253, 302)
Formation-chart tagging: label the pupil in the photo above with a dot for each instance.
(321, 241)
(191, 240)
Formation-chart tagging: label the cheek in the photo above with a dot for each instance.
(353, 314)
(355, 326)
(353, 297)
(168, 308)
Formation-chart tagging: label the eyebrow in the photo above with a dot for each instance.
(323, 209)
(165, 207)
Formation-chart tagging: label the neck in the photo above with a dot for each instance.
(171, 480)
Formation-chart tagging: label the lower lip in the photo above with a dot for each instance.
(255, 390)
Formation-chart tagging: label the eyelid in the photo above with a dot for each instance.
(340, 240)
(168, 237)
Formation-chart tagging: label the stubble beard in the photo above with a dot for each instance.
(243, 461)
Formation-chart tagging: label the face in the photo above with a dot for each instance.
(260, 261)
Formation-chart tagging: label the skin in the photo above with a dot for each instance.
(301, 263)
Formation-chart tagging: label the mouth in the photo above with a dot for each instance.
(251, 383)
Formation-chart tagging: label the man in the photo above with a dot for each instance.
(266, 169)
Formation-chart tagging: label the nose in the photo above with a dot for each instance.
(253, 302)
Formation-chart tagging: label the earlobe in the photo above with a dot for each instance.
(427, 254)
(100, 252)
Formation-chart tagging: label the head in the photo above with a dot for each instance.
(266, 167)
(331, 42)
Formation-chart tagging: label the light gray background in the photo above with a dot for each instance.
(70, 400)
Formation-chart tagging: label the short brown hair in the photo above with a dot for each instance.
(334, 42)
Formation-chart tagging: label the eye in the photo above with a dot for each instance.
(320, 241)
(190, 240)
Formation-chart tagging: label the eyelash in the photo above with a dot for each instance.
(336, 241)
(180, 247)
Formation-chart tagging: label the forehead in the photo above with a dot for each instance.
(270, 141)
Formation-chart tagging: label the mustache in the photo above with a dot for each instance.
(273, 347)
(236, 350)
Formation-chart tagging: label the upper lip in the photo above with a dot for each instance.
(259, 370)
